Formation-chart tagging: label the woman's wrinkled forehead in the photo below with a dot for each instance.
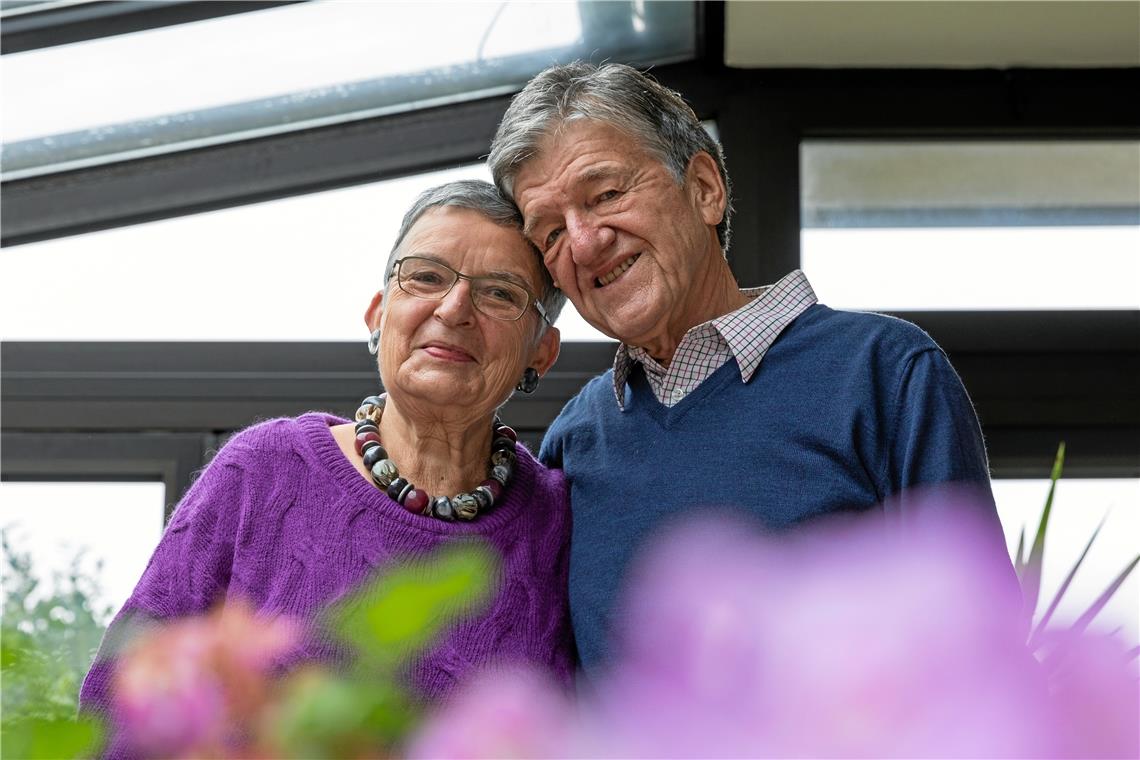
(465, 239)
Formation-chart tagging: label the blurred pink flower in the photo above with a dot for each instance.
(186, 687)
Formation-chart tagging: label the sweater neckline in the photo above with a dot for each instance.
(641, 395)
(516, 498)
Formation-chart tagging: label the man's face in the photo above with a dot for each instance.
(631, 247)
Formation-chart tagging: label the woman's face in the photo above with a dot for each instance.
(444, 354)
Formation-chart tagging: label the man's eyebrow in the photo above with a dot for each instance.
(593, 174)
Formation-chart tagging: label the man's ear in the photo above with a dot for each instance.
(707, 187)
(547, 351)
(375, 311)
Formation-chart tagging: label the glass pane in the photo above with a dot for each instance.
(115, 524)
(270, 70)
(302, 268)
(972, 225)
(1078, 507)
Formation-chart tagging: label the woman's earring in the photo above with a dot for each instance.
(529, 381)
(374, 342)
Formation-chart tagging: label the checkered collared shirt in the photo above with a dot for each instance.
(745, 334)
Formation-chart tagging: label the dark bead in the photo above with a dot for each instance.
(416, 501)
(505, 458)
(502, 473)
(362, 438)
(494, 487)
(466, 507)
(375, 401)
(503, 444)
(441, 507)
(366, 426)
(373, 453)
(396, 488)
(384, 473)
(506, 431)
(483, 497)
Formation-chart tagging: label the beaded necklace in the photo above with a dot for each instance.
(386, 476)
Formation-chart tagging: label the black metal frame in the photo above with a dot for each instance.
(1035, 377)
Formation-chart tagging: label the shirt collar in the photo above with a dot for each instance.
(749, 331)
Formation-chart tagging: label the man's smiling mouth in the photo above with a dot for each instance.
(616, 272)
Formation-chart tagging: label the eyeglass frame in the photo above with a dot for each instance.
(532, 299)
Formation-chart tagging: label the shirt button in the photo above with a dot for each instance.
(678, 394)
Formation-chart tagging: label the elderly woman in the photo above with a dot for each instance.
(293, 513)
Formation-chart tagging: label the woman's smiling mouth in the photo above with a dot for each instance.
(447, 352)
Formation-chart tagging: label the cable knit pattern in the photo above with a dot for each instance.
(281, 519)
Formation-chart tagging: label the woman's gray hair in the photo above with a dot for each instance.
(485, 199)
(615, 94)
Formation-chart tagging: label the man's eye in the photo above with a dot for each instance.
(608, 195)
(552, 238)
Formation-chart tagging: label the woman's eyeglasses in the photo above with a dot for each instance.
(497, 298)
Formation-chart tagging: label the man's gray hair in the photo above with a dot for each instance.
(615, 94)
(485, 199)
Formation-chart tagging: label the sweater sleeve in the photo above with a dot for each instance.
(936, 438)
(188, 572)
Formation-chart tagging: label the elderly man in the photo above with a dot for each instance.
(757, 399)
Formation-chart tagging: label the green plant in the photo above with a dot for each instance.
(47, 642)
(1028, 567)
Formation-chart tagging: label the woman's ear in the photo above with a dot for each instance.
(375, 311)
(546, 353)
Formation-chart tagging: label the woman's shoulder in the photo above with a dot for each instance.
(550, 489)
(276, 435)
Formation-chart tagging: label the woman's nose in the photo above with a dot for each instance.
(456, 307)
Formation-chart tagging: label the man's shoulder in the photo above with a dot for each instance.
(597, 390)
(823, 326)
(581, 412)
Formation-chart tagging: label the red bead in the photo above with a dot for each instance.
(416, 501)
(494, 486)
(361, 438)
(509, 432)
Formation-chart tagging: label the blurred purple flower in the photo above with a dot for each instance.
(896, 634)
(512, 712)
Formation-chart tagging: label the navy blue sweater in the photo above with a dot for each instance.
(845, 410)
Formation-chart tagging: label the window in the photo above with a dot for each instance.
(115, 525)
(298, 269)
(268, 71)
(1078, 506)
(972, 225)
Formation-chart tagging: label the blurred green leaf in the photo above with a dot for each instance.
(49, 739)
(405, 609)
(324, 716)
(1035, 638)
(1084, 620)
(1019, 555)
(1031, 577)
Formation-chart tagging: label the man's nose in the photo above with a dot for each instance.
(589, 237)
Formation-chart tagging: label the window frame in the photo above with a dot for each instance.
(1035, 377)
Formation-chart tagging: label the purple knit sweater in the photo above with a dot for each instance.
(281, 519)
